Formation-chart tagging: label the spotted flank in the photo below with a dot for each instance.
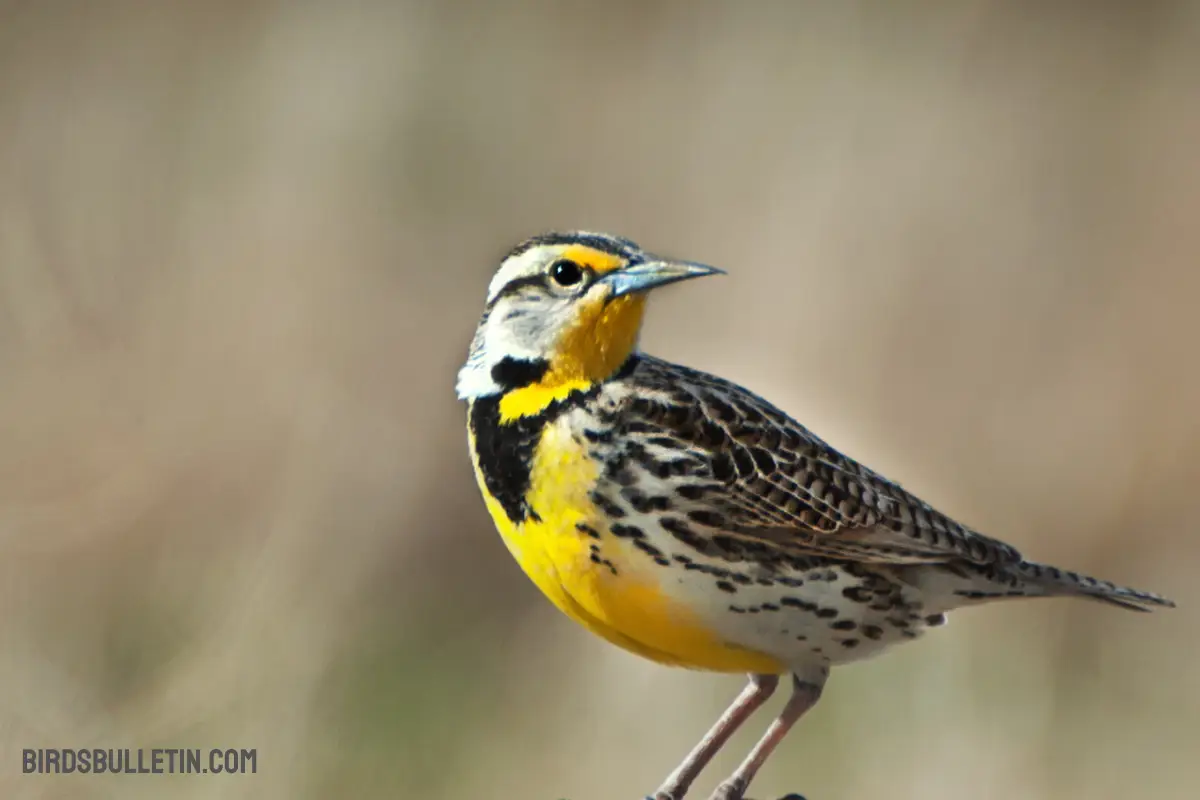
(688, 520)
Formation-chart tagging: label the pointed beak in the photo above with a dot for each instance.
(652, 273)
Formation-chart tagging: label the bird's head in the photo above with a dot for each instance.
(563, 313)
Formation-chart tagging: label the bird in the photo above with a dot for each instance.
(688, 520)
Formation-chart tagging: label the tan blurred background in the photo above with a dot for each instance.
(243, 247)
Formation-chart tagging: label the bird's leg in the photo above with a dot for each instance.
(754, 695)
(805, 694)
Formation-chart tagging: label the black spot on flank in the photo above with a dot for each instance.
(738, 577)
(801, 638)
(584, 528)
(681, 531)
(788, 581)
(769, 607)
(597, 559)
(849, 643)
(607, 506)
(796, 602)
(691, 491)
(643, 504)
(827, 613)
(510, 373)
(737, 609)
(682, 559)
(933, 620)
(659, 503)
(708, 569)
(626, 531)
(663, 469)
(624, 476)
(872, 632)
(726, 586)
(844, 625)
(858, 594)
(648, 549)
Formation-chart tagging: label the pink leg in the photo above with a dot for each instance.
(754, 695)
(804, 696)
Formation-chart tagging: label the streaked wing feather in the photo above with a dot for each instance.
(774, 482)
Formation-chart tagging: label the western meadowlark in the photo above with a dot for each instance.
(688, 520)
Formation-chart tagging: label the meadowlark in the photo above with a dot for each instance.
(688, 520)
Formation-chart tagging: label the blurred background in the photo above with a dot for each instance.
(243, 248)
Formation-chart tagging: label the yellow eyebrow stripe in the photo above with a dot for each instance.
(598, 260)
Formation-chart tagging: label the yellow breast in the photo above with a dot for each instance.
(629, 603)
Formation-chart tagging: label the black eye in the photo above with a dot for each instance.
(566, 273)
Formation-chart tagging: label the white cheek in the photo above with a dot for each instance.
(533, 332)
(516, 336)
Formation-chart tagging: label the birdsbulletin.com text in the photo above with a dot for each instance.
(129, 761)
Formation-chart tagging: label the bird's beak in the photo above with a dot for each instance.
(642, 276)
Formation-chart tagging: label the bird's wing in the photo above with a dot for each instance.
(761, 477)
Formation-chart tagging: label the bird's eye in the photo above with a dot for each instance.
(566, 273)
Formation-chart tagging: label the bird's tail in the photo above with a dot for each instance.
(1052, 582)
